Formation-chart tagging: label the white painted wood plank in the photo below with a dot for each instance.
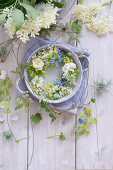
(52, 154)
(96, 150)
(12, 155)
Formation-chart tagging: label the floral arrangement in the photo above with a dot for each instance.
(52, 57)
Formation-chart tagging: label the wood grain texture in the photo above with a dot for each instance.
(12, 155)
(95, 151)
(52, 154)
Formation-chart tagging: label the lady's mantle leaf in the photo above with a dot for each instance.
(36, 118)
(18, 18)
(30, 9)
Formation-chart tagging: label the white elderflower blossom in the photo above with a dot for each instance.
(30, 27)
(3, 74)
(101, 25)
(9, 25)
(85, 13)
(48, 15)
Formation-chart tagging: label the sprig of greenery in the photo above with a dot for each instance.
(5, 86)
(102, 86)
(7, 135)
(82, 127)
(36, 118)
(44, 105)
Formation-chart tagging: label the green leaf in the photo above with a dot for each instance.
(53, 117)
(33, 2)
(18, 18)
(30, 9)
(93, 100)
(59, 4)
(43, 104)
(36, 118)
(7, 135)
(46, 32)
(17, 141)
(47, 109)
(62, 137)
(73, 106)
(18, 107)
(2, 18)
(76, 27)
(80, 1)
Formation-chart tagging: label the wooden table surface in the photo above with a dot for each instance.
(94, 151)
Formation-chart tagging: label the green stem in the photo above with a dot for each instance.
(107, 2)
(63, 133)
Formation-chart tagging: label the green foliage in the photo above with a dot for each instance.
(5, 86)
(30, 10)
(102, 86)
(36, 118)
(73, 106)
(93, 100)
(18, 18)
(7, 3)
(54, 2)
(7, 135)
(2, 18)
(73, 29)
(62, 136)
(20, 68)
(53, 117)
(76, 27)
(80, 1)
(44, 105)
(23, 102)
(82, 127)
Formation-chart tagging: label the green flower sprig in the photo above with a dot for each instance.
(5, 86)
(82, 127)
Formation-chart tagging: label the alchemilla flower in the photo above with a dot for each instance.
(38, 63)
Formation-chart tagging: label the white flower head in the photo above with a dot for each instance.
(38, 63)
(3, 74)
(101, 25)
(68, 67)
(85, 13)
(9, 25)
(38, 81)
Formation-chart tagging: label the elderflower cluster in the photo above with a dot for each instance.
(101, 25)
(46, 17)
(11, 29)
(91, 16)
(85, 13)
